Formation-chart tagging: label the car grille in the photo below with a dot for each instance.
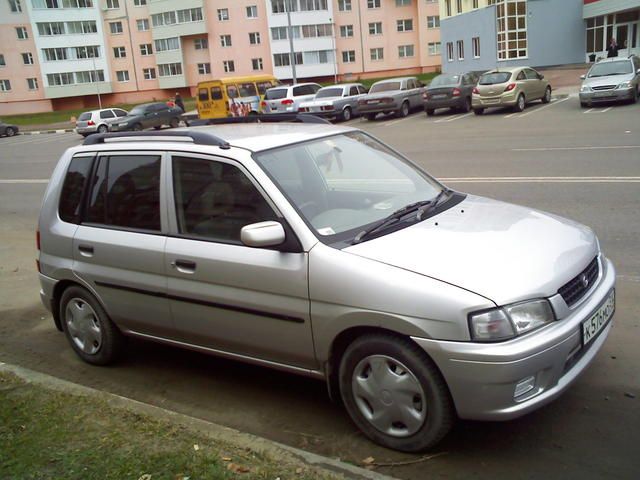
(604, 87)
(574, 289)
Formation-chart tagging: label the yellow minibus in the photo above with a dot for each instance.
(232, 96)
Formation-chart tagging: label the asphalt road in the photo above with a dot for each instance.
(582, 164)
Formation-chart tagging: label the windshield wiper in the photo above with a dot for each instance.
(425, 209)
(398, 214)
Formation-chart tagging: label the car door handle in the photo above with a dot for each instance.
(85, 250)
(184, 266)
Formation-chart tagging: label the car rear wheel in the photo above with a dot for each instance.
(346, 114)
(88, 328)
(478, 111)
(520, 104)
(103, 129)
(404, 110)
(137, 127)
(430, 112)
(10, 132)
(394, 393)
(547, 95)
(370, 116)
(585, 105)
(157, 127)
(174, 122)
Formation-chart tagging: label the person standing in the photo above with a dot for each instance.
(612, 49)
(179, 103)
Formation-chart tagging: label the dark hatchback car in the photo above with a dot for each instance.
(8, 129)
(148, 115)
(450, 91)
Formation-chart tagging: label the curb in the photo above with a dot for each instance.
(43, 132)
(212, 430)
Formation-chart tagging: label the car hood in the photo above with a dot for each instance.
(608, 80)
(501, 251)
(320, 102)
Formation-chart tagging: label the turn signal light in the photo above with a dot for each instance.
(510, 87)
(263, 104)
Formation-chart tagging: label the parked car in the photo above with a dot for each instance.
(510, 87)
(611, 80)
(318, 250)
(336, 101)
(287, 98)
(98, 121)
(8, 129)
(148, 115)
(394, 95)
(450, 91)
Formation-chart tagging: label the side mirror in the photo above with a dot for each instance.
(583, 77)
(262, 234)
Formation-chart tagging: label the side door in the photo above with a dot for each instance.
(536, 84)
(413, 92)
(107, 117)
(150, 118)
(225, 296)
(523, 85)
(118, 248)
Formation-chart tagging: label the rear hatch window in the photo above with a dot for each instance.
(494, 78)
(85, 116)
(276, 93)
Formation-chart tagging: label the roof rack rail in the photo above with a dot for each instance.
(199, 138)
(262, 118)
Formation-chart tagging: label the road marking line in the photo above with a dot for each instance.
(458, 117)
(553, 149)
(606, 110)
(22, 181)
(552, 103)
(393, 122)
(541, 180)
(587, 111)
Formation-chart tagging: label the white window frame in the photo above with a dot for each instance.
(22, 33)
(32, 84)
(404, 25)
(27, 58)
(344, 5)
(434, 48)
(252, 11)
(119, 52)
(204, 68)
(149, 73)
(375, 28)
(475, 46)
(348, 56)
(450, 51)
(460, 49)
(146, 49)
(372, 4)
(5, 85)
(228, 66)
(406, 51)
(113, 4)
(225, 41)
(201, 43)
(257, 62)
(377, 54)
(113, 26)
(346, 31)
(15, 6)
(122, 76)
(433, 21)
(144, 23)
(223, 14)
(254, 38)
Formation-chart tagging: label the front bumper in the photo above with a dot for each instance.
(615, 95)
(482, 378)
(505, 100)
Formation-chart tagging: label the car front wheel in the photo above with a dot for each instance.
(520, 104)
(547, 95)
(404, 110)
(394, 393)
(346, 114)
(10, 132)
(103, 129)
(478, 111)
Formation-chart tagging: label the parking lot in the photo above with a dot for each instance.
(580, 163)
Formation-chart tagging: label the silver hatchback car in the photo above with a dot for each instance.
(318, 250)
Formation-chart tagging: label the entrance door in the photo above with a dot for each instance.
(623, 38)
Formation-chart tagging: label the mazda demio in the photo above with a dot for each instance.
(319, 250)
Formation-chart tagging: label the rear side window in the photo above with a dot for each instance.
(248, 90)
(216, 93)
(73, 189)
(85, 116)
(126, 192)
(107, 114)
(120, 113)
(232, 91)
(263, 86)
(303, 90)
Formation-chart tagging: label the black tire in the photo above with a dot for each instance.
(157, 127)
(10, 132)
(478, 111)
(137, 127)
(403, 111)
(547, 95)
(439, 408)
(102, 129)
(174, 122)
(370, 116)
(111, 342)
(466, 107)
(520, 103)
(346, 114)
(634, 98)
(430, 112)
(585, 105)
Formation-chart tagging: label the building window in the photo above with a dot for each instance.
(475, 45)
(91, 51)
(375, 28)
(281, 33)
(373, 3)
(284, 59)
(256, 63)
(204, 68)
(21, 32)
(433, 22)
(511, 21)
(252, 11)
(404, 25)
(282, 6)
(5, 86)
(27, 58)
(113, 4)
(320, 30)
(405, 51)
(475, 4)
(377, 54)
(344, 5)
(450, 51)
(122, 75)
(170, 69)
(434, 48)
(595, 35)
(32, 83)
(2, 61)
(225, 40)
(460, 48)
(139, 3)
(15, 6)
(346, 31)
(254, 38)
(162, 19)
(348, 56)
(146, 49)
(149, 73)
(164, 44)
(119, 52)
(201, 44)
(142, 24)
(312, 5)
(115, 28)
(190, 15)
(223, 14)
(228, 66)
(447, 7)
(459, 6)
(402, 3)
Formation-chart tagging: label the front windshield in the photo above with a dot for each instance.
(385, 87)
(441, 80)
(329, 92)
(343, 183)
(611, 68)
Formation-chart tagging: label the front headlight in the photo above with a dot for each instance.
(585, 88)
(625, 85)
(509, 321)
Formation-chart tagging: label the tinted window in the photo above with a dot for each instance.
(248, 90)
(303, 90)
(126, 192)
(531, 74)
(158, 107)
(203, 94)
(494, 78)
(385, 87)
(445, 79)
(353, 91)
(329, 92)
(275, 93)
(216, 93)
(120, 113)
(73, 189)
(411, 84)
(215, 200)
(107, 114)
(263, 86)
(85, 116)
(620, 67)
(232, 91)
(361, 89)
(521, 76)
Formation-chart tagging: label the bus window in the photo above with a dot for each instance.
(263, 86)
(232, 91)
(203, 95)
(216, 93)
(248, 90)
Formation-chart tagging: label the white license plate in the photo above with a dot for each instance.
(604, 94)
(373, 102)
(598, 320)
(439, 96)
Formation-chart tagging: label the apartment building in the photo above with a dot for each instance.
(59, 54)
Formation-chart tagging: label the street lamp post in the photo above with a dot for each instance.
(96, 79)
(292, 55)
